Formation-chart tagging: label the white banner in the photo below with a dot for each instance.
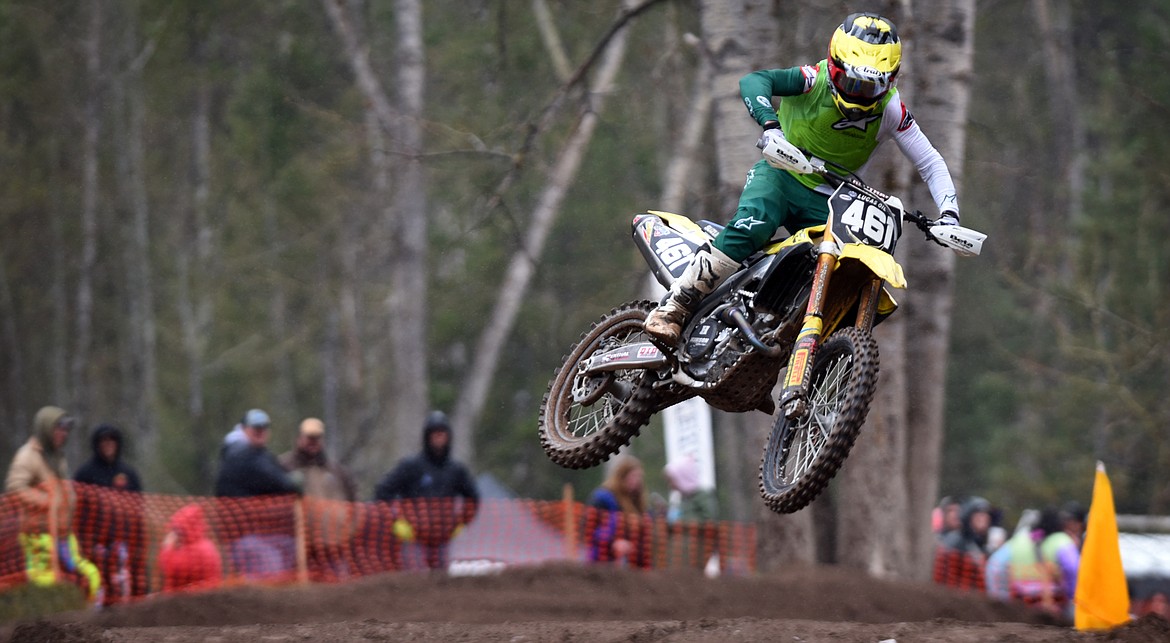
(687, 429)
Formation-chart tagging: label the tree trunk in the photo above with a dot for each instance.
(143, 383)
(726, 27)
(407, 306)
(79, 381)
(406, 394)
(12, 399)
(870, 524)
(939, 68)
(523, 263)
(194, 268)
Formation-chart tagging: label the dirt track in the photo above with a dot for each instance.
(573, 603)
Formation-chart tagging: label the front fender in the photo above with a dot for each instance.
(882, 264)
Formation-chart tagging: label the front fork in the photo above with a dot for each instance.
(794, 396)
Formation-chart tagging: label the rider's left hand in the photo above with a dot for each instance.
(947, 218)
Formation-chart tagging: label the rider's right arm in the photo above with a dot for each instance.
(758, 88)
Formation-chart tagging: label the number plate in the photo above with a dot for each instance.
(860, 218)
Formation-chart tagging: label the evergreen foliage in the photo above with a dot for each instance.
(1060, 340)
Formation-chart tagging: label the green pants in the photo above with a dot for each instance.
(38, 557)
(771, 198)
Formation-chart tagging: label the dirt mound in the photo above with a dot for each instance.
(577, 593)
(580, 603)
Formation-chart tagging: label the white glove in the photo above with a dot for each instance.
(770, 136)
(947, 218)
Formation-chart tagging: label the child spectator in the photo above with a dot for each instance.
(188, 558)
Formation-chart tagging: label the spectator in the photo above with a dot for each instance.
(107, 468)
(947, 516)
(109, 524)
(248, 470)
(431, 498)
(1074, 517)
(690, 516)
(961, 555)
(235, 436)
(188, 558)
(39, 476)
(321, 477)
(1040, 572)
(1060, 552)
(329, 494)
(693, 503)
(620, 532)
(997, 572)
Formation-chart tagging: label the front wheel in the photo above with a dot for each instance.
(584, 419)
(802, 455)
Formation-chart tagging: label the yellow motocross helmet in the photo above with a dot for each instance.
(864, 56)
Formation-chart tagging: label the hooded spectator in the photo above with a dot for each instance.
(432, 496)
(188, 558)
(39, 476)
(109, 525)
(107, 468)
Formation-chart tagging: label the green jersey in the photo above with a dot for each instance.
(810, 119)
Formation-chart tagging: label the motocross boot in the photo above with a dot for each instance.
(708, 268)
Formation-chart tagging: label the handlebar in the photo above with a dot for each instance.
(782, 154)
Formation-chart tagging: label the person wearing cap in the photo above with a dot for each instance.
(431, 497)
(329, 493)
(248, 467)
(249, 470)
(110, 524)
(39, 475)
(322, 476)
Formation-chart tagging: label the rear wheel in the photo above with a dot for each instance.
(802, 455)
(584, 419)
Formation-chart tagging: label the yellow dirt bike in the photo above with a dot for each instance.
(805, 305)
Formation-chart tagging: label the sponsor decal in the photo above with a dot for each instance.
(861, 124)
(613, 357)
(647, 351)
(746, 223)
(810, 77)
(796, 368)
(907, 119)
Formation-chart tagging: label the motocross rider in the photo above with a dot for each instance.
(838, 110)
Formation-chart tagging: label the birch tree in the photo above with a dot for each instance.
(939, 67)
(523, 264)
(406, 216)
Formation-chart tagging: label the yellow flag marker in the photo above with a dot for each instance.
(1102, 598)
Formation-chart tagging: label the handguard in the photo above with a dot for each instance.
(964, 241)
(782, 155)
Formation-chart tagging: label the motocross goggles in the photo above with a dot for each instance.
(862, 86)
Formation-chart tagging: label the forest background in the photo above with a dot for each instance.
(363, 210)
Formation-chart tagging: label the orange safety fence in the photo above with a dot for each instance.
(959, 569)
(147, 543)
